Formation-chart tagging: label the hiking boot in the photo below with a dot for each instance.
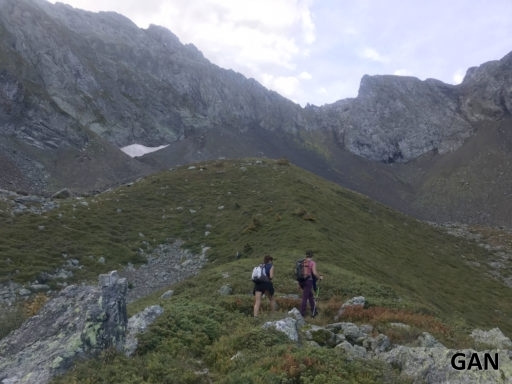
(314, 314)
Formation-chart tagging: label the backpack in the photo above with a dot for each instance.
(259, 274)
(300, 270)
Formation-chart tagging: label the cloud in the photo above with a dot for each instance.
(402, 72)
(322, 91)
(264, 39)
(372, 54)
(285, 85)
(248, 34)
(458, 76)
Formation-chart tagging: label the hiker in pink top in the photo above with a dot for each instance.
(309, 284)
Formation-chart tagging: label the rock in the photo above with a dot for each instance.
(494, 338)
(397, 119)
(353, 333)
(62, 194)
(483, 93)
(225, 290)
(39, 287)
(81, 321)
(166, 264)
(378, 344)
(323, 337)
(167, 294)
(429, 363)
(24, 292)
(434, 365)
(295, 313)
(353, 351)
(428, 341)
(357, 302)
(288, 326)
(138, 324)
(403, 326)
(8, 293)
(74, 262)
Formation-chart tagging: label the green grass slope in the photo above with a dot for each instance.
(257, 207)
(469, 185)
(402, 266)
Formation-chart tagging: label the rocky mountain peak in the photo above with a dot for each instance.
(398, 118)
(487, 92)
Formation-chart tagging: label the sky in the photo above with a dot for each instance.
(317, 51)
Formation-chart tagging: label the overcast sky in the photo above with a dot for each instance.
(316, 51)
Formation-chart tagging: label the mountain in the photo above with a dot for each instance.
(76, 87)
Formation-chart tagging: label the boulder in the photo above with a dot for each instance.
(137, 324)
(287, 325)
(447, 366)
(428, 341)
(225, 290)
(493, 338)
(81, 321)
(62, 194)
(358, 302)
(295, 313)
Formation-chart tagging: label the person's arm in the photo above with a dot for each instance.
(318, 276)
(271, 274)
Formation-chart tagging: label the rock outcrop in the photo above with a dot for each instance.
(427, 362)
(81, 321)
(486, 92)
(397, 119)
(137, 324)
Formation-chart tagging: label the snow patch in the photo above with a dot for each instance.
(135, 150)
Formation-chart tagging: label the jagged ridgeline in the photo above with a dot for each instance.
(253, 207)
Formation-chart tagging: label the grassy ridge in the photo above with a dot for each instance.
(409, 271)
(257, 207)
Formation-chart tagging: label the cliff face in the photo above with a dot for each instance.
(399, 119)
(76, 86)
(486, 92)
(69, 76)
(132, 85)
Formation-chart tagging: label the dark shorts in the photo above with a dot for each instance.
(265, 287)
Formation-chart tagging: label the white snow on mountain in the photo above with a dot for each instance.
(135, 150)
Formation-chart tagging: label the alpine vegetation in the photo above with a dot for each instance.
(400, 299)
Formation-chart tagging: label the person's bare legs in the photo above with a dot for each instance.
(257, 303)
